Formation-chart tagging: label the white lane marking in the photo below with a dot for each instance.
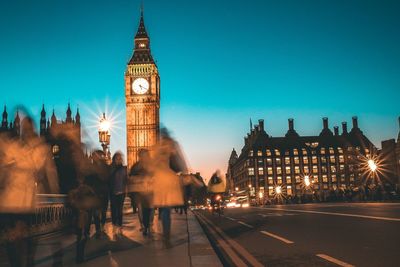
(333, 260)
(229, 218)
(287, 241)
(341, 214)
(245, 224)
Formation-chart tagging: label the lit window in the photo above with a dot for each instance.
(269, 161)
(297, 178)
(279, 179)
(315, 169)
(334, 178)
(278, 161)
(250, 153)
(333, 168)
(352, 177)
(305, 160)
(260, 171)
(270, 171)
(288, 170)
(259, 153)
(296, 160)
(270, 190)
(287, 160)
(332, 159)
(325, 178)
(323, 169)
(314, 160)
(250, 171)
(304, 151)
(278, 170)
(289, 190)
(55, 149)
(268, 152)
(322, 151)
(323, 159)
(331, 151)
(341, 167)
(341, 159)
(295, 152)
(315, 179)
(306, 170)
(340, 150)
(288, 179)
(142, 45)
(260, 162)
(270, 180)
(325, 186)
(296, 169)
(277, 152)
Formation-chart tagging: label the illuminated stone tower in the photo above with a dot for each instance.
(142, 95)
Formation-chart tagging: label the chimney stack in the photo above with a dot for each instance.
(344, 127)
(336, 130)
(355, 122)
(325, 122)
(261, 125)
(291, 123)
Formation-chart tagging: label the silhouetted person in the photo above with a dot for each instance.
(141, 178)
(98, 180)
(118, 179)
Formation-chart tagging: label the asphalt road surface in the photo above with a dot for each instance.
(335, 234)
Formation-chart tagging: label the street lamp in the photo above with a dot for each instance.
(372, 165)
(307, 181)
(278, 190)
(105, 136)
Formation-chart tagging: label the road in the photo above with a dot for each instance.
(337, 234)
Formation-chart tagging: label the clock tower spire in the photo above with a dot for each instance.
(142, 95)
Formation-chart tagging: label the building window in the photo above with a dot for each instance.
(55, 149)
(341, 158)
(289, 190)
(278, 170)
(323, 159)
(270, 190)
(269, 161)
(333, 168)
(325, 178)
(316, 180)
(352, 177)
(314, 160)
(322, 151)
(288, 170)
(260, 171)
(340, 150)
(296, 160)
(334, 178)
(295, 152)
(287, 153)
(296, 169)
(324, 169)
(306, 170)
(279, 179)
(260, 162)
(250, 153)
(277, 152)
(278, 161)
(325, 186)
(304, 151)
(297, 178)
(341, 167)
(315, 169)
(268, 152)
(270, 180)
(250, 171)
(331, 151)
(305, 160)
(287, 160)
(259, 153)
(332, 159)
(270, 171)
(288, 179)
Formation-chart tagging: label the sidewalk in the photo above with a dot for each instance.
(190, 247)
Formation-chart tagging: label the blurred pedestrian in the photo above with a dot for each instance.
(168, 192)
(98, 180)
(141, 178)
(118, 180)
(26, 168)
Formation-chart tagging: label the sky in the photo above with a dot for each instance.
(220, 62)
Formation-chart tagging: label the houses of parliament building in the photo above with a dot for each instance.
(329, 161)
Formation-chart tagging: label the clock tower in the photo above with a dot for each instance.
(142, 95)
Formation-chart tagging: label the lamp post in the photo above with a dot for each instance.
(105, 136)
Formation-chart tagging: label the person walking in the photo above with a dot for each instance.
(141, 184)
(118, 179)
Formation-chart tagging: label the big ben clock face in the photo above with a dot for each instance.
(140, 86)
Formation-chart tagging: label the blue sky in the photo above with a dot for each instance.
(220, 62)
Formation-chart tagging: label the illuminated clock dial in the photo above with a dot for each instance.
(140, 86)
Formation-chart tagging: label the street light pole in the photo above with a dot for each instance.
(105, 136)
